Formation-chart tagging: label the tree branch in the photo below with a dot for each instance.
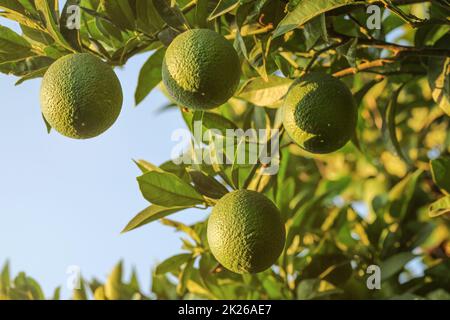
(410, 19)
(394, 7)
(363, 29)
(363, 66)
(247, 33)
(407, 2)
(397, 49)
(317, 54)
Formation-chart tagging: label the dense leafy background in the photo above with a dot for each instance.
(383, 199)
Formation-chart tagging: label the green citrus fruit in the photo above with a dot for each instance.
(319, 113)
(81, 96)
(245, 232)
(201, 69)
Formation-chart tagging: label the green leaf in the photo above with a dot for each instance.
(348, 51)
(163, 288)
(258, 60)
(307, 10)
(212, 121)
(28, 5)
(150, 214)
(390, 23)
(12, 46)
(391, 112)
(80, 293)
(315, 289)
(150, 75)
(119, 12)
(265, 93)
(273, 287)
(207, 185)
(184, 276)
(32, 75)
(113, 284)
(171, 15)
(223, 7)
(177, 169)
(148, 18)
(26, 288)
(12, 5)
(198, 290)
(146, 166)
(183, 228)
(300, 216)
(439, 294)
(32, 66)
(14, 10)
(282, 64)
(168, 190)
(439, 76)
(401, 194)
(240, 46)
(5, 277)
(57, 294)
(334, 268)
(395, 264)
(41, 37)
(35, 289)
(359, 96)
(235, 167)
(47, 125)
(314, 30)
(53, 53)
(48, 15)
(134, 281)
(201, 14)
(21, 19)
(361, 93)
(172, 264)
(440, 170)
(440, 207)
(166, 36)
(428, 35)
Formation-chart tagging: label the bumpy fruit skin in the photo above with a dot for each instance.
(245, 232)
(201, 69)
(81, 96)
(319, 113)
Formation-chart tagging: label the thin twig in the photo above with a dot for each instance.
(188, 7)
(265, 29)
(291, 61)
(397, 49)
(408, 2)
(363, 29)
(317, 54)
(401, 2)
(410, 19)
(393, 73)
(363, 66)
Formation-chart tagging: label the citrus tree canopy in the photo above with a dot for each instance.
(352, 98)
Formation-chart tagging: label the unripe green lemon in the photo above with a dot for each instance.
(201, 69)
(319, 113)
(81, 96)
(245, 232)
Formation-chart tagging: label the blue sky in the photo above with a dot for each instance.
(64, 202)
